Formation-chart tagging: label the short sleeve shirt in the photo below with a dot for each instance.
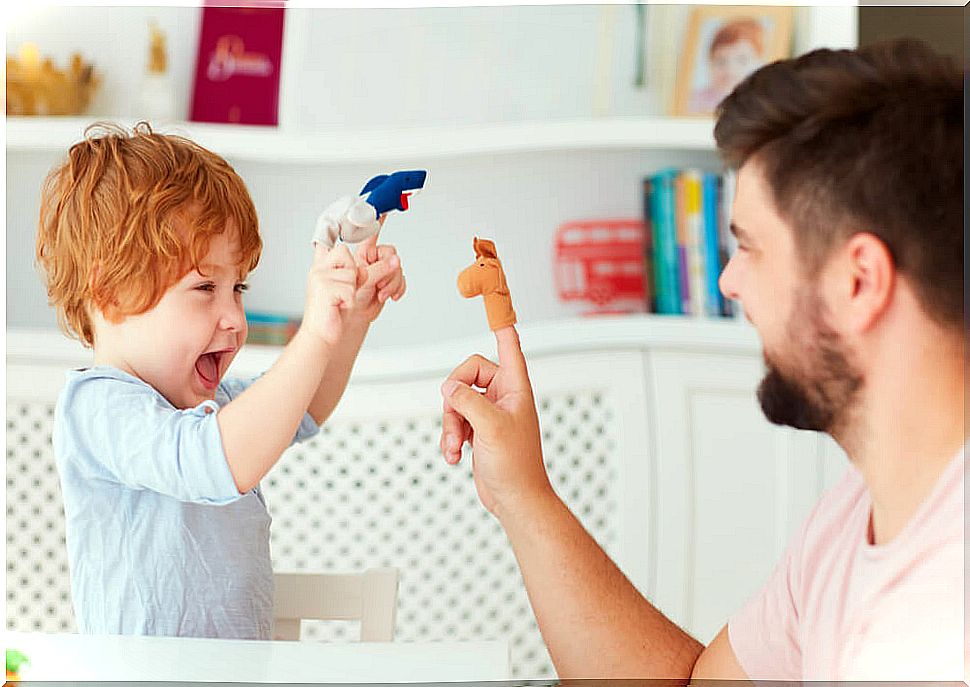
(839, 608)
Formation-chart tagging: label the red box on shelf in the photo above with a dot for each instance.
(237, 71)
(601, 263)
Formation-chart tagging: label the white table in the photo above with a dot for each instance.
(73, 657)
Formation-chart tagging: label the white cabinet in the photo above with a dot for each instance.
(731, 486)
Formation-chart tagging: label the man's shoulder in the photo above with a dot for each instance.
(836, 525)
(845, 498)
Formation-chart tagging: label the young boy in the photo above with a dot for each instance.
(145, 241)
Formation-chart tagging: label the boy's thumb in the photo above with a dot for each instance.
(468, 403)
(320, 252)
(362, 275)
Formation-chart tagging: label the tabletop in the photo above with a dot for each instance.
(73, 657)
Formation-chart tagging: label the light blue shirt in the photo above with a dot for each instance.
(159, 540)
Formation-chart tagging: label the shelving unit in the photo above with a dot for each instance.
(513, 172)
(567, 336)
(273, 145)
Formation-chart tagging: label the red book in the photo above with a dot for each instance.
(237, 71)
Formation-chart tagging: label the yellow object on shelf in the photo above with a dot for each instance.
(37, 87)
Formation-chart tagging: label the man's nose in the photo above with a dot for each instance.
(727, 282)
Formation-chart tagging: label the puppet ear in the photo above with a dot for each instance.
(485, 248)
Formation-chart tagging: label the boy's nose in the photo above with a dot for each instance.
(233, 318)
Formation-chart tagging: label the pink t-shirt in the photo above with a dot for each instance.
(839, 608)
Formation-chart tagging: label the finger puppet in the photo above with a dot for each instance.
(353, 219)
(485, 278)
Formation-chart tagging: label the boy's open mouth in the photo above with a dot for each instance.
(208, 366)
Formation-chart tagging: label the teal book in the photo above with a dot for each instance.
(664, 223)
(649, 281)
(710, 204)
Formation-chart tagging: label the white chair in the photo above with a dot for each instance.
(369, 596)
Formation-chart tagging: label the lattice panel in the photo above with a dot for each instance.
(361, 495)
(38, 583)
(358, 495)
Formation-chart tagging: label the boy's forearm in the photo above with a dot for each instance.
(338, 369)
(261, 422)
(593, 620)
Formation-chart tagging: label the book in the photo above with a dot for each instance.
(728, 243)
(662, 220)
(694, 229)
(237, 71)
(710, 203)
(680, 221)
(649, 283)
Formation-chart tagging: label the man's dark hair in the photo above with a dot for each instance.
(862, 140)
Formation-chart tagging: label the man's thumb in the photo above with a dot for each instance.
(468, 403)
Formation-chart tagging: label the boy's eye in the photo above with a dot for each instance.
(208, 286)
(242, 286)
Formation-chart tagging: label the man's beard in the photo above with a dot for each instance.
(820, 393)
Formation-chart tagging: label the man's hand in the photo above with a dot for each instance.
(380, 277)
(500, 423)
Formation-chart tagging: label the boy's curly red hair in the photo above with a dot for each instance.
(127, 215)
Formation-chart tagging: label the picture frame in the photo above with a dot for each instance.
(722, 45)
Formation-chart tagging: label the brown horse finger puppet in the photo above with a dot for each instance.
(485, 277)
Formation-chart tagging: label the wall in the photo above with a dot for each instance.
(369, 68)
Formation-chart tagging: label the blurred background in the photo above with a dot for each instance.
(556, 131)
(527, 117)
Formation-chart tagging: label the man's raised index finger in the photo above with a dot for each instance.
(510, 354)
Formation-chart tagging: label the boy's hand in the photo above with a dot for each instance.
(380, 278)
(331, 292)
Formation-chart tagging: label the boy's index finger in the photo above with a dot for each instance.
(368, 243)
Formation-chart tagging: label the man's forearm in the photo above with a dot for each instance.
(337, 372)
(593, 620)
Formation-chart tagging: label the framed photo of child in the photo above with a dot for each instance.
(724, 44)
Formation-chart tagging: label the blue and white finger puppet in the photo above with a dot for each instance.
(353, 219)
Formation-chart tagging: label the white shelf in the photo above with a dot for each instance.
(616, 332)
(267, 144)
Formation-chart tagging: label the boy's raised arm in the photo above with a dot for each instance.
(257, 426)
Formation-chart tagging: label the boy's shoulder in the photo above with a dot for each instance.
(101, 377)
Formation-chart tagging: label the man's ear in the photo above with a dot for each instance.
(863, 282)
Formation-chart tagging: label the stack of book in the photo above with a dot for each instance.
(270, 329)
(688, 241)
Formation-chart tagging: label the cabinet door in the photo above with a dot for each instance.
(731, 486)
(372, 490)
